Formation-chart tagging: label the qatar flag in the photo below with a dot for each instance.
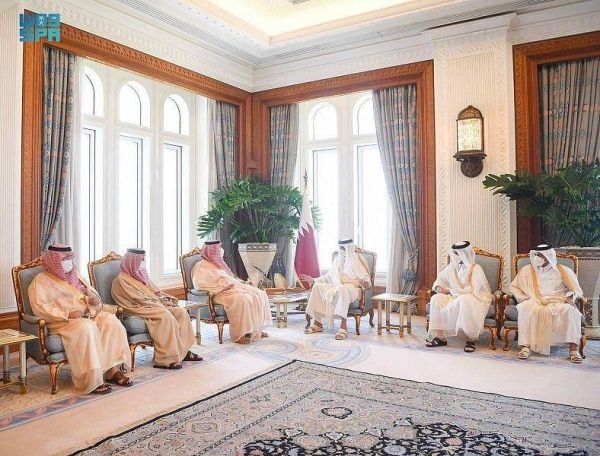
(306, 261)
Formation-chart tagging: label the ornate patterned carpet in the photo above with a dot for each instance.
(311, 409)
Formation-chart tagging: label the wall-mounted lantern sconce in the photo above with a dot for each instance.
(469, 134)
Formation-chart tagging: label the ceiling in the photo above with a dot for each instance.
(280, 17)
(263, 33)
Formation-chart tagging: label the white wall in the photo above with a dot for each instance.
(474, 68)
(11, 66)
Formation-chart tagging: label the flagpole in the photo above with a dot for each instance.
(305, 180)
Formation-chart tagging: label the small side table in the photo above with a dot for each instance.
(190, 306)
(387, 299)
(9, 337)
(284, 300)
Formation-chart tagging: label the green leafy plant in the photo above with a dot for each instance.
(567, 201)
(255, 210)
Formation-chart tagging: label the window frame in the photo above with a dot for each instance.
(347, 143)
(194, 156)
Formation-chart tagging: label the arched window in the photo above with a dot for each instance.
(364, 119)
(176, 115)
(93, 93)
(323, 122)
(134, 104)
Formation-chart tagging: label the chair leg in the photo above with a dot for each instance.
(492, 337)
(54, 377)
(506, 340)
(132, 349)
(220, 326)
(371, 316)
(582, 343)
(357, 318)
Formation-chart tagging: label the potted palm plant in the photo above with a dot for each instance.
(568, 203)
(257, 214)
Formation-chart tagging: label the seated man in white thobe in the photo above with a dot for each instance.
(462, 300)
(332, 294)
(95, 341)
(247, 307)
(168, 324)
(546, 292)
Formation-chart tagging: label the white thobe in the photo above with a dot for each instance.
(332, 294)
(465, 307)
(544, 317)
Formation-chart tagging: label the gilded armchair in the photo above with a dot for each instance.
(510, 314)
(212, 313)
(493, 267)
(102, 273)
(48, 348)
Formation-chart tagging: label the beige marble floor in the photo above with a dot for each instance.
(62, 423)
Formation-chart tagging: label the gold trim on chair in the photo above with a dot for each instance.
(210, 295)
(583, 301)
(41, 325)
(113, 256)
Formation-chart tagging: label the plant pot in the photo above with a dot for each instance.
(589, 280)
(257, 259)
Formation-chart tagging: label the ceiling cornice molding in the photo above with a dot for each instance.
(485, 25)
(352, 61)
(553, 23)
(108, 23)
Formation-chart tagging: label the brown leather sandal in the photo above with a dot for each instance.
(102, 389)
(191, 356)
(120, 379)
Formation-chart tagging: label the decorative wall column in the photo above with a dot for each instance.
(10, 151)
(473, 66)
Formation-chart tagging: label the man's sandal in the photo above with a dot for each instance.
(102, 389)
(341, 334)
(120, 379)
(436, 342)
(524, 353)
(575, 357)
(172, 366)
(264, 334)
(469, 346)
(313, 329)
(191, 356)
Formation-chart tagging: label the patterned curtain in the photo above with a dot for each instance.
(395, 110)
(224, 118)
(283, 155)
(57, 145)
(569, 118)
